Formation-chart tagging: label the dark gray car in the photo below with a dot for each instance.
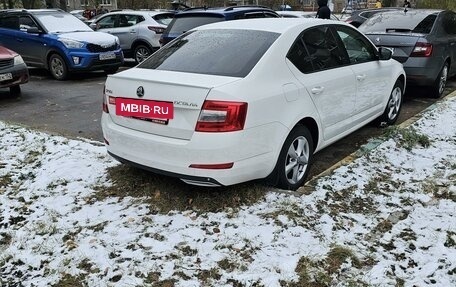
(424, 41)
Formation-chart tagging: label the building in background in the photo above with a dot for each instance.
(91, 4)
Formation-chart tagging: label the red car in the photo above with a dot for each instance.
(13, 71)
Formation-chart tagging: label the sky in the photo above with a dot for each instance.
(385, 219)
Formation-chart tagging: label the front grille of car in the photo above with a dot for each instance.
(94, 48)
(6, 63)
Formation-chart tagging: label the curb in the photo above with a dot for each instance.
(308, 187)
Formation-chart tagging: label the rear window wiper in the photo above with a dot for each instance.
(397, 30)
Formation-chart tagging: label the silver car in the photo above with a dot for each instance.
(138, 31)
(424, 41)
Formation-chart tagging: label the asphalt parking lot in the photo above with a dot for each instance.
(73, 109)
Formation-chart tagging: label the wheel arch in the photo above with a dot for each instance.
(312, 125)
(138, 42)
(52, 52)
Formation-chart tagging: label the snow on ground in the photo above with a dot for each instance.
(386, 219)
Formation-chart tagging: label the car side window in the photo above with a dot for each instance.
(106, 22)
(299, 56)
(359, 49)
(128, 20)
(323, 48)
(11, 22)
(25, 22)
(449, 23)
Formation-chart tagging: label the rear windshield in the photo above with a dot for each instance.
(181, 25)
(164, 18)
(400, 22)
(222, 52)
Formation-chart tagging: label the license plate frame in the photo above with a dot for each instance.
(6, 77)
(150, 110)
(107, 56)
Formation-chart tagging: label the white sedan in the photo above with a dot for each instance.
(240, 100)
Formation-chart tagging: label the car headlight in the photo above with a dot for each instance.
(18, 60)
(71, 44)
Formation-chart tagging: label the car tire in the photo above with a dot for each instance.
(440, 82)
(141, 53)
(393, 107)
(58, 67)
(15, 90)
(295, 159)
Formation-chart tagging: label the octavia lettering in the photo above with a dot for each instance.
(144, 109)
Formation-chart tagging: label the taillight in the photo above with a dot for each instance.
(221, 116)
(158, 30)
(105, 105)
(422, 50)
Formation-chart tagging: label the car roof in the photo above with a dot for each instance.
(141, 12)
(224, 10)
(276, 25)
(297, 13)
(412, 12)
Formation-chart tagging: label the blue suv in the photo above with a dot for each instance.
(193, 17)
(59, 42)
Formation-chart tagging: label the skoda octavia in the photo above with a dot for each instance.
(250, 99)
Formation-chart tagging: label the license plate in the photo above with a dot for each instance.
(5, 77)
(144, 109)
(107, 56)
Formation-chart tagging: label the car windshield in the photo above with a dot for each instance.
(412, 22)
(62, 23)
(183, 24)
(224, 52)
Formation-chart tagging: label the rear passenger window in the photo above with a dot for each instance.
(322, 48)
(10, 22)
(300, 58)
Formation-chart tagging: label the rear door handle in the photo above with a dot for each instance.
(19, 40)
(361, 77)
(132, 31)
(317, 90)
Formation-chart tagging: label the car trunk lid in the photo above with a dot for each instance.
(187, 93)
(402, 44)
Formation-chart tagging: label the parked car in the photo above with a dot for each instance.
(59, 42)
(13, 71)
(424, 41)
(139, 32)
(357, 17)
(238, 110)
(193, 17)
(302, 14)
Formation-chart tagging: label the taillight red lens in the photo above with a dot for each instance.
(158, 30)
(422, 50)
(222, 116)
(105, 105)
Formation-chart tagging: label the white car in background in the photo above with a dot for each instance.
(139, 32)
(240, 100)
(302, 14)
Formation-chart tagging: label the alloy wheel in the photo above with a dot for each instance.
(297, 160)
(394, 103)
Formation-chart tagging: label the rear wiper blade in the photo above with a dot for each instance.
(397, 30)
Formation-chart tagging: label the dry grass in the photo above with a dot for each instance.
(164, 194)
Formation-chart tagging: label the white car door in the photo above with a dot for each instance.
(324, 72)
(372, 76)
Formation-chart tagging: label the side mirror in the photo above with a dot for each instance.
(34, 30)
(384, 54)
(93, 26)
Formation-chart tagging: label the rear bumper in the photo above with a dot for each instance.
(422, 71)
(252, 155)
(20, 76)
